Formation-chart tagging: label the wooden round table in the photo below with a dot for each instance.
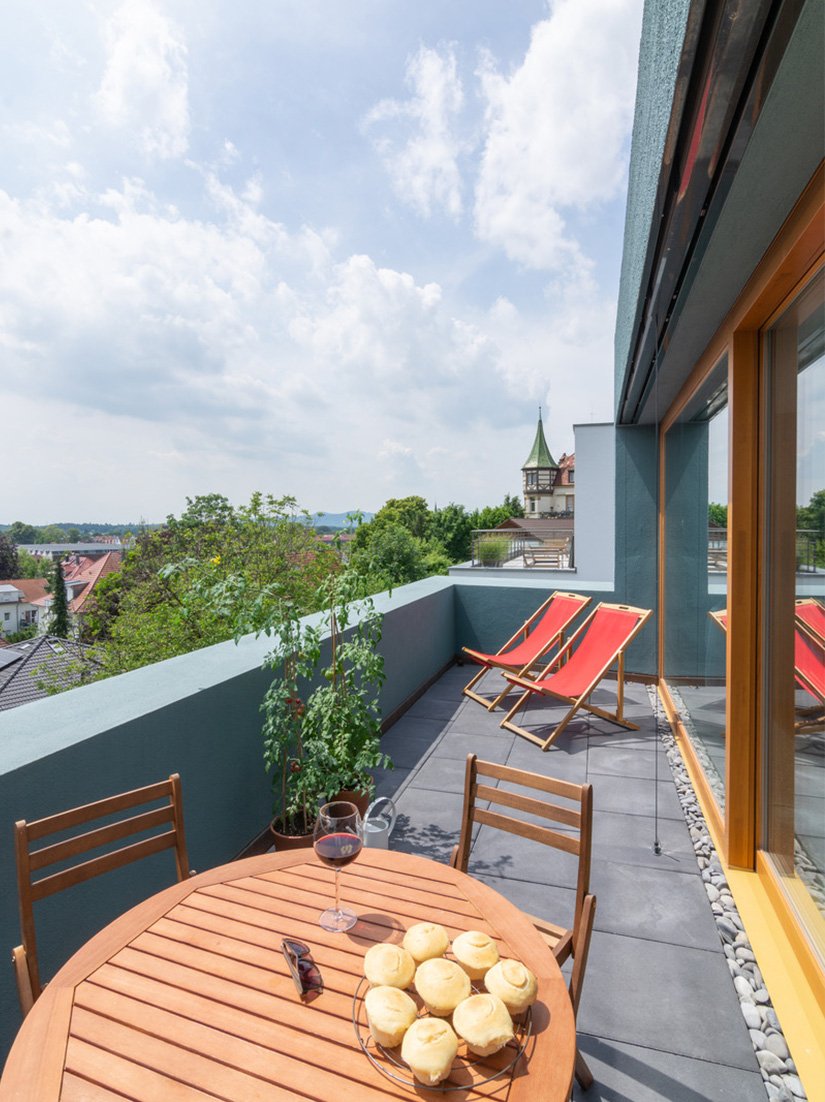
(188, 995)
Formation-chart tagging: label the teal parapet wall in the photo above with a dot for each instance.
(197, 715)
(663, 32)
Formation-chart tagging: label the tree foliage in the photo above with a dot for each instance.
(9, 560)
(206, 576)
(59, 625)
(717, 515)
(30, 566)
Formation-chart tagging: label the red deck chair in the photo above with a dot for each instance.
(811, 618)
(809, 664)
(808, 658)
(602, 640)
(538, 635)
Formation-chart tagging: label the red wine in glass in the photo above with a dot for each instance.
(337, 841)
(337, 850)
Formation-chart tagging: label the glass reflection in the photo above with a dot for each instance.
(795, 601)
(696, 564)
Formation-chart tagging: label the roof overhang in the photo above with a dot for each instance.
(732, 54)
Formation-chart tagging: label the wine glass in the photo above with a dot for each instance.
(337, 841)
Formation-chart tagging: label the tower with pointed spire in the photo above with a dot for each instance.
(547, 485)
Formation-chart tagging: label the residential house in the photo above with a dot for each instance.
(22, 604)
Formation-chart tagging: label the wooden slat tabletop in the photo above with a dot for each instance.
(188, 996)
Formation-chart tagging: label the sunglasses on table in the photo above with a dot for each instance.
(303, 968)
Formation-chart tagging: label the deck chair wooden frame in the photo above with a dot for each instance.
(576, 839)
(810, 617)
(516, 656)
(570, 658)
(31, 861)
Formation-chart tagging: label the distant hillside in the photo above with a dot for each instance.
(335, 520)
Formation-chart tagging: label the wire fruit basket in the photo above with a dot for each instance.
(468, 1072)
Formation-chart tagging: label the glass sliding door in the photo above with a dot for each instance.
(695, 571)
(793, 831)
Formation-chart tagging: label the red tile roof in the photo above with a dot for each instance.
(83, 574)
(31, 588)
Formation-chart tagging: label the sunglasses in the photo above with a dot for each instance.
(303, 968)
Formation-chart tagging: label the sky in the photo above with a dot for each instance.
(336, 249)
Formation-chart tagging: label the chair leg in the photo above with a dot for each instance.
(584, 1076)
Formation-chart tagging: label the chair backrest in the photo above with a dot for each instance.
(544, 626)
(31, 861)
(576, 814)
(593, 648)
(809, 663)
(811, 615)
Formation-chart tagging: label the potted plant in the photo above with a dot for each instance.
(341, 724)
(325, 745)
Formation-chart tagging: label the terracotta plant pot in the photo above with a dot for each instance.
(361, 799)
(289, 841)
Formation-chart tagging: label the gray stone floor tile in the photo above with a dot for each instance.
(653, 903)
(498, 853)
(630, 839)
(566, 761)
(626, 762)
(631, 1073)
(441, 774)
(428, 823)
(388, 781)
(488, 747)
(431, 707)
(550, 901)
(659, 1019)
(668, 997)
(635, 795)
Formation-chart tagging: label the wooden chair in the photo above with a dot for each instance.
(575, 841)
(581, 951)
(524, 649)
(573, 674)
(31, 861)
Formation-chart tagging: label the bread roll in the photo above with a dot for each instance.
(475, 952)
(426, 940)
(442, 984)
(513, 983)
(390, 1013)
(387, 965)
(429, 1047)
(483, 1022)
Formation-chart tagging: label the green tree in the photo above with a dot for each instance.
(387, 554)
(812, 515)
(52, 533)
(22, 533)
(452, 527)
(493, 515)
(209, 575)
(717, 515)
(60, 607)
(9, 559)
(31, 566)
(411, 513)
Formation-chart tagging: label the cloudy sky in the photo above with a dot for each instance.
(341, 249)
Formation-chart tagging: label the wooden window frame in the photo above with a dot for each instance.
(793, 258)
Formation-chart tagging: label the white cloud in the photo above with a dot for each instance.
(234, 332)
(145, 83)
(423, 161)
(557, 130)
